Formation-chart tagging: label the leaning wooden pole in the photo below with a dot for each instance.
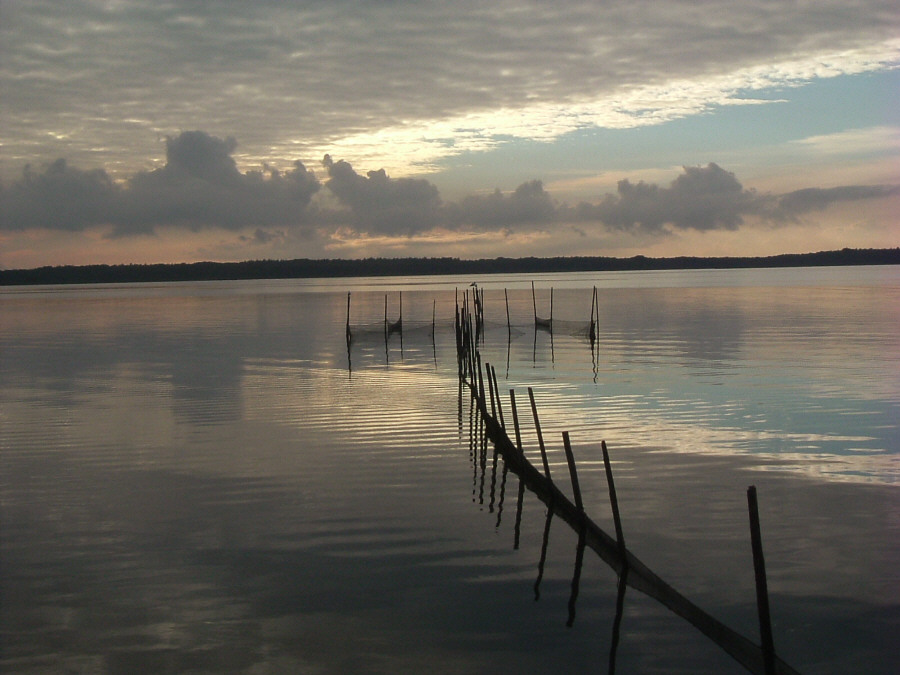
(573, 472)
(762, 590)
(613, 500)
(639, 576)
(540, 436)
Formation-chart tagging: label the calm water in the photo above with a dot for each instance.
(200, 478)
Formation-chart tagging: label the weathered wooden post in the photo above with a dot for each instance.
(508, 323)
(540, 436)
(515, 414)
(614, 502)
(348, 318)
(499, 407)
(488, 372)
(762, 591)
(593, 330)
(480, 379)
(570, 458)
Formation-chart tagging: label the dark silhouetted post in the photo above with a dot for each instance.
(508, 323)
(515, 414)
(614, 502)
(551, 308)
(348, 318)
(762, 591)
(570, 458)
(480, 377)
(499, 407)
(540, 436)
(488, 373)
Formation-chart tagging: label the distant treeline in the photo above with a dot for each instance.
(366, 267)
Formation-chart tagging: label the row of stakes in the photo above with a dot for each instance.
(482, 382)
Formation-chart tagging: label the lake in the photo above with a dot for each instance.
(201, 477)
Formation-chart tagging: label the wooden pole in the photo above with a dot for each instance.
(762, 592)
(534, 303)
(480, 377)
(540, 436)
(570, 458)
(488, 369)
(499, 407)
(515, 414)
(614, 502)
(348, 318)
(508, 324)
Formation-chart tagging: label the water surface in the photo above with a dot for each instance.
(201, 478)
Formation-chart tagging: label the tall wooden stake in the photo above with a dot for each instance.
(614, 502)
(762, 591)
(570, 458)
(540, 436)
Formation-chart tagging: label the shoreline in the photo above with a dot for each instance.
(304, 268)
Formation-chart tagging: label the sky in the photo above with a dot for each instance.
(150, 131)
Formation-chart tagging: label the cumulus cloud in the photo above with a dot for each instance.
(796, 203)
(60, 197)
(528, 204)
(701, 198)
(381, 204)
(199, 186)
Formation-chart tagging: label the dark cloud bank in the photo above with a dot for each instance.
(200, 186)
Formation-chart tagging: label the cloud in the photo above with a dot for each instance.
(701, 198)
(529, 204)
(59, 198)
(199, 187)
(381, 204)
(83, 79)
(796, 203)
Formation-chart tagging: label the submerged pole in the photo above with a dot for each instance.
(515, 414)
(348, 318)
(614, 502)
(499, 407)
(508, 324)
(488, 369)
(540, 436)
(762, 591)
(551, 308)
(570, 458)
